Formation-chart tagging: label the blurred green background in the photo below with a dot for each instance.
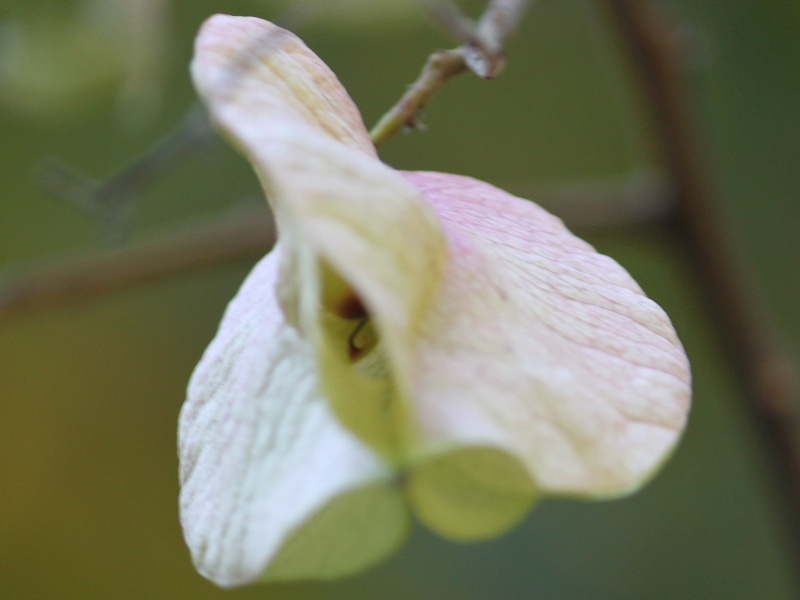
(89, 394)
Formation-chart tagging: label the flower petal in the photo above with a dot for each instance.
(470, 492)
(272, 486)
(353, 229)
(263, 71)
(542, 349)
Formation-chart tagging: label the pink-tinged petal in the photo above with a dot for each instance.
(355, 232)
(542, 350)
(272, 485)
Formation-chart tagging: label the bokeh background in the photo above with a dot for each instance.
(90, 393)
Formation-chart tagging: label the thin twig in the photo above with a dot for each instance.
(761, 362)
(109, 200)
(440, 67)
(243, 232)
(482, 52)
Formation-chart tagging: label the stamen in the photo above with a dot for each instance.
(362, 339)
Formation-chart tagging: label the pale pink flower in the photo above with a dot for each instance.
(416, 343)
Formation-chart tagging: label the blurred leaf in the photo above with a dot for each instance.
(59, 63)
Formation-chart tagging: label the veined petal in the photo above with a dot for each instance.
(268, 72)
(272, 485)
(538, 350)
(354, 231)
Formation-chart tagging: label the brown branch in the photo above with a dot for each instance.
(762, 364)
(482, 53)
(243, 232)
(643, 197)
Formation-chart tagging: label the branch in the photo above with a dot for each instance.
(642, 197)
(762, 364)
(482, 53)
(243, 232)
(108, 201)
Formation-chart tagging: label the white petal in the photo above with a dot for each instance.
(272, 486)
(270, 74)
(338, 208)
(540, 348)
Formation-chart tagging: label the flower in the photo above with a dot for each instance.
(415, 343)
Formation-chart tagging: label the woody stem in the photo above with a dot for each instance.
(482, 52)
(763, 366)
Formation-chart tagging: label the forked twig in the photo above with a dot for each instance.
(244, 232)
(109, 201)
(481, 52)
